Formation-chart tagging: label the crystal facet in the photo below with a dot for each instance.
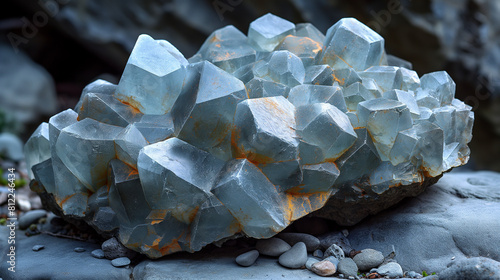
(248, 135)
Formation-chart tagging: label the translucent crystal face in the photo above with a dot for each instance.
(248, 135)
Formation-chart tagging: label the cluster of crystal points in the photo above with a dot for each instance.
(248, 135)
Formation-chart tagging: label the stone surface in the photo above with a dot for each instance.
(318, 253)
(217, 264)
(248, 258)
(479, 268)
(368, 259)
(335, 251)
(113, 249)
(30, 217)
(311, 261)
(79, 249)
(223, 145)
(296, 257)
(37, 248)
(98, 254)
(311, 242)
(391, 270)
(58, 253)
(337, 238)
(347, 267)
(25, 85)
(11, 147)
(120, 262)
(324, 268)
(453, 220)
(272, 247)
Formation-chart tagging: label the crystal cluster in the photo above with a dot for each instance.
(248, 135)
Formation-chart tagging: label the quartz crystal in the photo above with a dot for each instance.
(251, 133)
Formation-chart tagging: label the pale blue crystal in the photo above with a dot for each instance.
(128, 144)
(248, 135)
(384, 118)
(304, 48)
(387, 77)
(152, 79)
(311, 94)
(97, 86)
(310, 31)
(85, 148)
(407, 98)
(210, 122)
(107, 109)
(37, 148)
(258, 87)
(266, 32)
(177, 176)
(440, 85)
(326, 127)
(228, 49)
(319, 75)
(286, 68)
(349, 43)
(259, 209)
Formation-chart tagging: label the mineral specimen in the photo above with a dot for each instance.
(248, 135)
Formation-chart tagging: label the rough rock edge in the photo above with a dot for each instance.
(349, 213)
(49, 204)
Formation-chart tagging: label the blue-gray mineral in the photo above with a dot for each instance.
(251, 133)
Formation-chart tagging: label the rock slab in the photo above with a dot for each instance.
(453, 219)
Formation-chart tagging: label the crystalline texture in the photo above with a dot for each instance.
(266, 32)
(37, 148)
(350, 43)
(325, 127)
(228, 49)
(211, 119)
(259, 209)
(152, 79)
(248, 135)
(86, 147)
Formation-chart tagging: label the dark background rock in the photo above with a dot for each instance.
(78, 41)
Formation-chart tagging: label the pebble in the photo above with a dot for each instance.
(318, 253)
(31, 217)
(79, 250)
(113, 249)
(120, 262)
(391, 270)
(310, 262)
(412, 274)
(368, 259)
(336, 251)
(37, 248)
(23, 202)
(347, 267)
(323, 268)
(98, 254)
(326, 240)
(296, 257)
(312, 243)
(272, 247)
(248, 258)
(333, 260)
(11, 146)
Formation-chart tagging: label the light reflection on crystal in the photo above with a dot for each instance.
(251, 133)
